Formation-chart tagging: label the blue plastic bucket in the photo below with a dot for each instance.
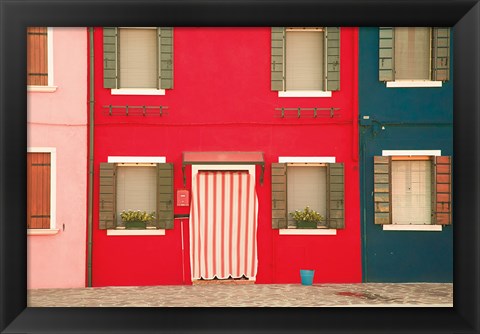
(307, 276)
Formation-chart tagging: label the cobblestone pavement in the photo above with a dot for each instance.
(276, 295)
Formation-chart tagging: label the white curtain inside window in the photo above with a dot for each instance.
(138, 58)
(412, 53)
(411, 192)
(304, 60)
(307, 186)
(136, 189)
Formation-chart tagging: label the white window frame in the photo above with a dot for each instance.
(318, 231)
(53, 191)
(50, 88)
(415, 83)
(411, 153)
(132, 161)
(307, 93)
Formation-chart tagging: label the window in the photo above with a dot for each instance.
(412, 190)
(318, 185)
(138, 60)
(39, 59)
(136, 186)
(41, 192)
(414, 56)
(305, 60)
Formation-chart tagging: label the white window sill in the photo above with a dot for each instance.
(305, 93)
(35, 231)
(42, 89)
(135, 232)
(138, 91)
(396, 227)
(413, 84)
(304, 231)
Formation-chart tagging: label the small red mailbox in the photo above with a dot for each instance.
(183, 197)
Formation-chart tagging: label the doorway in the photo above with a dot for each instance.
(223, 226)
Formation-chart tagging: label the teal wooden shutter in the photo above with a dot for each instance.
(278, 59)
(164, 196)
(441, 54)
(386, 70)
(279, 196)
(333, 58)
(381, 190)
(107, 197)
(335, 196)
(165, 43)
(110, 57)
(442, 192)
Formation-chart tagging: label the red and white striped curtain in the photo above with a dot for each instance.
(223, 225)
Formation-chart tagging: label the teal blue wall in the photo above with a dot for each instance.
(413, 119)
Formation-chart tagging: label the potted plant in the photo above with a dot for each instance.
(136, 219)
(307, 218)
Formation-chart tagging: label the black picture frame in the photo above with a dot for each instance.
(15, 15)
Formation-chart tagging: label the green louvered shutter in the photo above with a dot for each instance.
(279, 196)
(381, 190)
(385, 54)
(335, 196)
(107, 219)
(165, 42)
(333, 58)
(110, 58)
(278, 59)
(164, 196)
(441, 54)
(442, 192)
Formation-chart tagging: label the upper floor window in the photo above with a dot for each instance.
(138, 60)
(305, 61)
(39, 59)
(414, 56)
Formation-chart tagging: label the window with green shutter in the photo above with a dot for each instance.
(138, 58)
(414, 56)
(412, 190)
(144, 187)
(305, 59)
(320, 186)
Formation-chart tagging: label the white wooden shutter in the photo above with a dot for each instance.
(136, 188)
(138, 58)
(411, 192)
(304, 60)
(307, 186)
(412, 53)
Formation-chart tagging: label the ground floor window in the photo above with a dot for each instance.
(39, 190)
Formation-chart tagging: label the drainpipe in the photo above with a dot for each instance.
(90, 162)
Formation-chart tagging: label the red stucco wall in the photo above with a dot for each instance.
(222, 101)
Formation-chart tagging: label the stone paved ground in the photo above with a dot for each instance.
(365, 294)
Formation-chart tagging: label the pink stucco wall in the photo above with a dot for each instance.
(59, 120)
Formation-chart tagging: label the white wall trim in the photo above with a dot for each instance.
(306, 159)
(413, 84)
(50, 56)
(135, 232)
(411, 152)
(53, 180)
(128, 159)
(396, 227)
(249, 168)
(43, 231)
(304, 231)
(305, 93)
(138, 91)
(42, 89)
